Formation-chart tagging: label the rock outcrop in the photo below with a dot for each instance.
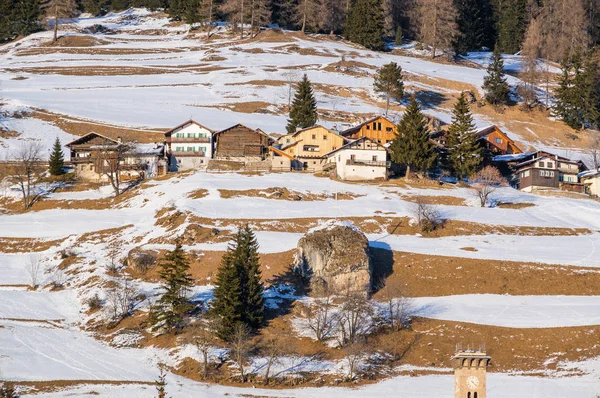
(336, 259)
(141, 260)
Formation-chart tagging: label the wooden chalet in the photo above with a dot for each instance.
(310, 145)
(93, 154)
(378, 129)
(240, 141)
(495, 142)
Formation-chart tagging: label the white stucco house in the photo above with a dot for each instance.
(189, 146)
(360, 160)
(591, 182)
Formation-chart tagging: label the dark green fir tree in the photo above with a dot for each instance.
(464, 152)
(512, 19)
(303, 112)
(174, 304)
(227, 305)
(388, 81)
(248, 263)
(57, 161)
(364, 24)
(476, 25)
(494, 83)
(412, 146)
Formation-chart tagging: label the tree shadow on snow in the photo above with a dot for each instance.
(382, 260)
(430, 99)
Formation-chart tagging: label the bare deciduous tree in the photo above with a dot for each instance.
(260, 15)
(399, 307)
(354, 354)
(112, 160)
(320, 320)
(354, 319)
(427, 216)
(593, 150)
(203, 341)
(437, 23)
(25, 169)
(272, 350)
(58, 9)
(308, 14)
(206, 10)
(120, 300)
(485, 182)
(238, 13)
(240, 348)
(33, 269)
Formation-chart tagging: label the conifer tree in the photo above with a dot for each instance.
(511, 25)
(227, 305)
(464, 152)
(476, 25)
(248, 263)
(494, 83)
(389, 82)
(365, 24)
(398, 38)
(25, 17)
(412, 146)
(303, 112)
(176, 283)
(57, 161)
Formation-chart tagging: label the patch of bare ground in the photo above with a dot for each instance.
(95, 70)
(563, 194)
(75, 41)
(421, 275)
(417, 183)
(81, 127)
(436, 200)
(511, 205)
(284, 194)
(32, 51)
(198, 194)
(20, 245)
(351, 68)
(247, 107)
(102, 235)
(7, 134)
(469, 249)
(293, 48)
(273, 36)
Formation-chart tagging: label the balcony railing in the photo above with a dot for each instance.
(188, 153)
(81, 159)
(205, 140)
(372, 163)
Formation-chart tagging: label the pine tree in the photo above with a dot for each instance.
(389, 82)
(25, 17)
(248, 264)
(161, 384)
(412, 146)
(565, 108)
(303, 112)
(227, 305)
(365, 24)
(176, 283)
(494, 83)
(464, 152)
(476, 25)
(57, 161)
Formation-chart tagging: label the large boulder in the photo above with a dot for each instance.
(141, 260)
(336, 259)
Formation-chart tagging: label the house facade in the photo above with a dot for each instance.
(93, 154)
(360, 160)
(378, 129)
(590, 180)
(543, 170)
(189, 146)
(241, 143)
(310, 147)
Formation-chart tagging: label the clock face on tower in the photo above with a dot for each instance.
(472, 382)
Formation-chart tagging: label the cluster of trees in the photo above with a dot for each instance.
(553, 29)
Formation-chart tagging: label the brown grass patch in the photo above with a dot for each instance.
(421, 275)
(469, 249)
(20, 245)
(518, 206)
(7, 134)
(283, 194)
(198, 194)
(76, 41)
(103, 235)
(81, 127)
(244, 107)
(95, 51)
(436, 200)
(95, 70)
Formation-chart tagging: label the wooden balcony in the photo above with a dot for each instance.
(81, 159)
(179, 154)
(372, 163)
(188, 140)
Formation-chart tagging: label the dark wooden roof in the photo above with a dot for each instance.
(88, 137)
(356, 144)
(356, 128)
(259, 131)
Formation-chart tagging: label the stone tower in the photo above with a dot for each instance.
(470, 373)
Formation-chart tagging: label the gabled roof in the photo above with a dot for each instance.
(589, 173)
(185, 124)
(490, 129)
(356, 128)
(355, 143)
(88, 137)
(241, 125)
(280, 152)
(315, 127)
(291, 144)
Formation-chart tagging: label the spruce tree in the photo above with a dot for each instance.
(511, 25)
(412, 146)
(227, 305)
(564, 94)
(494, 83)
(398, 38)
(464, 152)
(176, 283)
(389, 82)
(303, 112)
(364, 24)
(57, 161)
(248, 263)
(476, 25)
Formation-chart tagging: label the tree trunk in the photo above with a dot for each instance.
(407, 177)
(55, 24)
(387, 102)
(205, 370)
(210, 8)
(304, 16)
(242, 21)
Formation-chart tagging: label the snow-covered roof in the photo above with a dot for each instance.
(589, 173)
(512, 157)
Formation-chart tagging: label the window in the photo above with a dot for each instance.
(559, 165)
(379, 126)
(339, 158)
(475, 395)
(368, 127)
(469, 395)
(314, 136)
(546, 173)
(311, 148)
(499, 140)
(324, 137)
(388, 129)
(374, 126)
(374, 158)
(526, 173)
(550, 165)
(352, 157)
